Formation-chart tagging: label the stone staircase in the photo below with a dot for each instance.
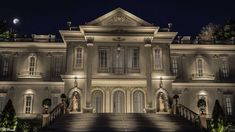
(109, 122)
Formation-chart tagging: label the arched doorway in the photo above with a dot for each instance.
(97, 101)
(138, 102)
(162, 101)
(75, 102)
(118, 102)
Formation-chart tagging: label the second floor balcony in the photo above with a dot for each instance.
(201, 77)
(118, 70)
(30, 74)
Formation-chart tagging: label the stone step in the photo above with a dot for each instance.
(120, 122)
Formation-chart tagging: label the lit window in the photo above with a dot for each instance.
(225, 68)
(174, 66)
(32, 65)
(5, 67)
(133, 61)
(157, 58)
(79, 58)
(228, 105)
(199, 67)
(28, 103)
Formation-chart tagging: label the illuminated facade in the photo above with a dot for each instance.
(116, 63)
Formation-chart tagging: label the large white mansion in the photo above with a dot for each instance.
(116, 63)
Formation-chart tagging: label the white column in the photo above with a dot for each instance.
(128, 100)
(89, 78)
(149, 76)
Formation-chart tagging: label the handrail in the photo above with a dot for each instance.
(188, 114)
(56, 112)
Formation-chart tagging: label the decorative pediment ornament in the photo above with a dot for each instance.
(119, 20)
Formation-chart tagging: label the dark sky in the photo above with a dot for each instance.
(48, 16)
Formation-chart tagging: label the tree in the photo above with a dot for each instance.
(208, 32)
(227, 31)
(8, 118)
(218, 122)
(5, 30)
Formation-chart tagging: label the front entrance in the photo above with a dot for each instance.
(97, 101)
(75, 102)
(118, 102)
(138, 102)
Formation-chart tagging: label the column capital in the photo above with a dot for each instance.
(148, 42)
(90, 41)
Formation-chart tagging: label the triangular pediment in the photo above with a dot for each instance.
(119, 17)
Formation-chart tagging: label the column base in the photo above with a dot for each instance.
(150, 110)
(88, 110)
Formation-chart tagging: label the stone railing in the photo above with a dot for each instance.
(55, 113)
(188, 114)
(203, 77)
(28, 74)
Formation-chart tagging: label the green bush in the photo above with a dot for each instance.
(28, 125)
(8, 117)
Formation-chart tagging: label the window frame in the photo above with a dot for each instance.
(199, 70)
(174, 62)
(225, 69)
(106, 67)
(228, 105)
(76, 58)
(35, 65)
(155, 67)
(31, 105)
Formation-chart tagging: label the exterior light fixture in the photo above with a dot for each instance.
(118, 48)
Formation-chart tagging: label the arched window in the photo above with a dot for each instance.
(138, 102)
(97, 100)
(118, 102)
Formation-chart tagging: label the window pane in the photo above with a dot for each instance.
(79, 57)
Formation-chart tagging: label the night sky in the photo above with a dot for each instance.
(49, 16)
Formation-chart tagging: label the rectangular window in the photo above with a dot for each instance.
(79, 58)
(5, 67)
(199, 68)
(28, 103)
(158, 58)
(174, 66)
(32, 65)
(225, 68)
(133, 60)
(58, 63)
(228, 105)
(103, 60)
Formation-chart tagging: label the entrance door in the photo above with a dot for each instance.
(97, 100)
(118, 102)
(138, 102)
